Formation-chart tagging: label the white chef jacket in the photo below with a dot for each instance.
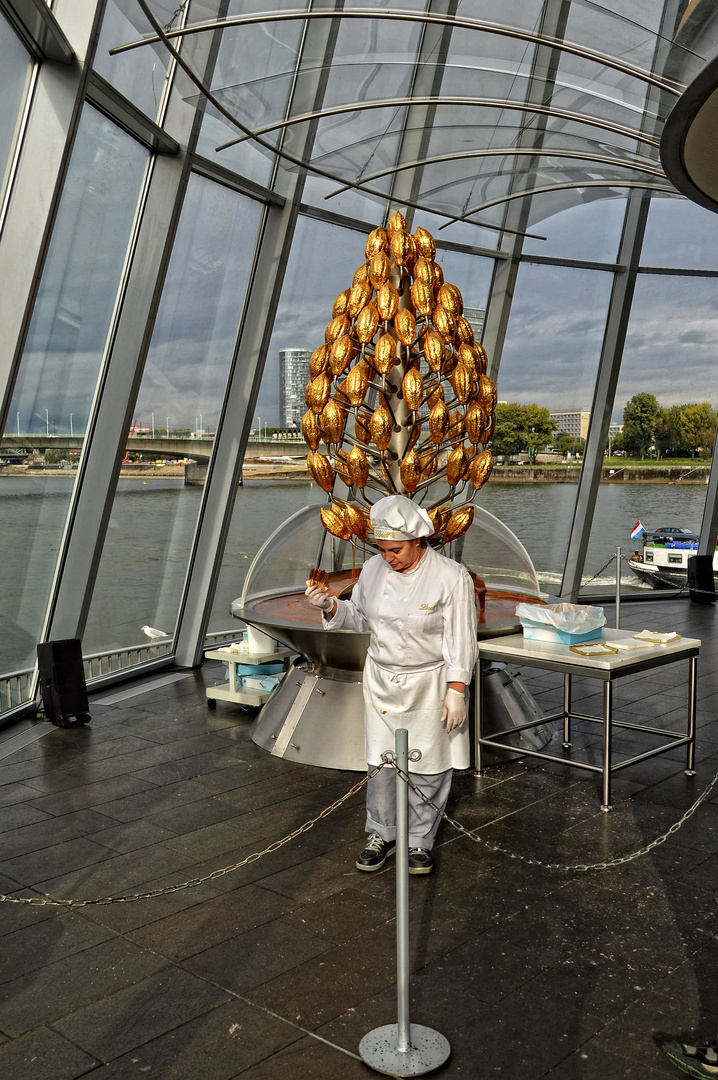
(423, 636)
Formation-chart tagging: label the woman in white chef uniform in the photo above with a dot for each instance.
(421, 610)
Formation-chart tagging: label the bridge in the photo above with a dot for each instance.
(160, 446)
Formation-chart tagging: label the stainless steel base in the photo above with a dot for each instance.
(316, 717)
(429, 1050)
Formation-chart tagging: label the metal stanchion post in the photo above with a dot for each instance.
(403, 1049)
(618, 588)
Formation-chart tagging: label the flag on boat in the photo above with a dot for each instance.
(637, 531)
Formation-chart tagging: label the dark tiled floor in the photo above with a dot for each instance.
(278, 969)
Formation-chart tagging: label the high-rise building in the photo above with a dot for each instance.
(476, 317)
(572, 423)
(293, 379)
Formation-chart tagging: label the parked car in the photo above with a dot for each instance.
(671, 532)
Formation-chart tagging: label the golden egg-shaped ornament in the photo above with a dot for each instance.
(412, 389)
(385, 354)
(444, 322)
(367, 323)
(461, 382)
(410, 470)
(341, 354)
(405, 326)
(468, 357)
(401, 247)
(422, 297)
(458, 523)
(396, 222)
(387, 301)
(376, 242)
(428, 465)
(331, 422)
(456, 428)
(424, 243)
(414, 437)
(434, 350)
(457, 466)
(340, 304)
(450, 298)
(487, 393)
(356, 520)
(380, 427)
(463, 330)
(359, 297)
(319, 361)
(434, 396)
(310, 430)
(361, 432)
(361, 274)
(356, 384)
(358, 466)
(475, 422)
(438, 276)
(333, 521)
(317, 392)
(321, 469)
(480, 468)
(439, 516)
(424, 271)
(438, 423)
(379, 269)
(337, 327)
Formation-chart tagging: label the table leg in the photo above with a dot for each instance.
(566, 711)
(478, 703)
(232, 676)
(692, 690)
(607, 717)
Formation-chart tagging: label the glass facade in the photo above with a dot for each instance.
(526, 145)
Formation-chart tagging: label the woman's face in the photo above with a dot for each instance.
(402, 555)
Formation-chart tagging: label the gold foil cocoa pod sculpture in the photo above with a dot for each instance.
(405, 327)
(424, 271)
(396, 221)
(380, 427)
(341, 354)
(310, 430)
(331, 422)
(358, 467)
(359, 297)
(356, 520)
(367, 323)
(376, 242)
(456, 466)
(480, 468)
(379, 269)
(340, 304)
(434, 350)
(361, 431)
(317, 393)
(438, 423)
(428, 464)
(385, 354)
(458, 523)
(422, 297)
(439, 516)
(401, 247)
(424, 244)
(412, 389)
(387, 301)
(444, 321)
(456, 428)
(356, 384)
(319, 361)
(333, 521)
(335, 329)
(410, 470)
(321, 469)
(487, 394)
(450, 298)
(461, 382)
(475, 422)
(464, 331)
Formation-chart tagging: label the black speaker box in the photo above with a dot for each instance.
(62, 682)
(701, 583)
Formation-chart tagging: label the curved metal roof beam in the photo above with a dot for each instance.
(559, 187)
(480, 25)
(637, 164)
(283, 154)
(484, 103)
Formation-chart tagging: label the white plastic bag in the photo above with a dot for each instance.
(571, 618)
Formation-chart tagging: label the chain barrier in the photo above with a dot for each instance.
(572, 867)
(177, 13)
(598, 572)
(42, 901)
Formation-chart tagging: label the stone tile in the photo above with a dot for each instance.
(117, 874)
(45, 942)
(43, 1055)
(154, 800)
(68, 857)
(131, 835)
(342, 916)
(48, 831)
(124, 1021)
(63, 987)
(192, 816)
(271, 950)
(310, 1057)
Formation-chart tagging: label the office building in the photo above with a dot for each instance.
(293, 379)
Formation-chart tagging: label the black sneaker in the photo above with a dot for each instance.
(420, 861)
(698, 1060)
(376, 852)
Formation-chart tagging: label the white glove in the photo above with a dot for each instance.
(454, 712)
(319, 598)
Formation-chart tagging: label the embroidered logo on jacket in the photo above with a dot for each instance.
(429, 607)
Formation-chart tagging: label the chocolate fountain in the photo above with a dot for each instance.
(399, 396)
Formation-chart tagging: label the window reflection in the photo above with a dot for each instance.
(16, 67)
(139, 74)
(59, 368)
(154, 516)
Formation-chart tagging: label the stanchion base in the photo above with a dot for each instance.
(429, 1050)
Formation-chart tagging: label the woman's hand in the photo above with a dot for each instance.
(454, 712)
(320, 598)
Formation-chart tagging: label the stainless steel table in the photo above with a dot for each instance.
(515, 649)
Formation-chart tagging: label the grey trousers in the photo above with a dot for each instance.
(423, 821)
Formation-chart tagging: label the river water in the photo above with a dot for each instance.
(153, 521)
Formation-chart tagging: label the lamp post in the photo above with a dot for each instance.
(259, 426)
(18, 423)
(47, 423)
(71, 431)
(153, 425)
(167, 429)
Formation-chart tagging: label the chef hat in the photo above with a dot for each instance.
(398, 518)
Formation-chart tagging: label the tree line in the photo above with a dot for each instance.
(677, 431)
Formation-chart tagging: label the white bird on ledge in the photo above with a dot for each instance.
(152, 633)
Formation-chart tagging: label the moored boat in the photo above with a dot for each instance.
(665, 565)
